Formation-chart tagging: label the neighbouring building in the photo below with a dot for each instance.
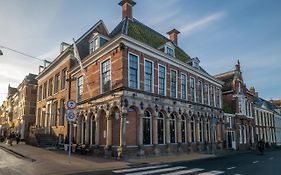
(238, 109)
(19, 109)
(138, 93)
(277, 121)
(53, 91)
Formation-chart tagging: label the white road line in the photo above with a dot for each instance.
(256, 162)
(271, 158)
(157, 171)
(230, 168)
(139, 169)
(212, 173)
(185, 171)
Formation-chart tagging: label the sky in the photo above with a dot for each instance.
(218, 32)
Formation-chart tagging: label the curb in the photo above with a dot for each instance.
(16, 153)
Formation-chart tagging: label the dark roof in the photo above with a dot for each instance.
(135, 29)
(264, 103)
(12, 90)
(227, 78)
(31, 79)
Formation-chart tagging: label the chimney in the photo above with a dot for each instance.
(237, 66)
(127, 8)
(173, 36)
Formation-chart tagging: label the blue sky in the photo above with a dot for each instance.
(217, 31)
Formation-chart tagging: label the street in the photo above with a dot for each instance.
(241, 164)
(13, 165)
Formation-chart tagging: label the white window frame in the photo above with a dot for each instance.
(101, 85)
(191, 77)
(171, 83)
(202, 91)
(138, 76)
(152, 81)
(186, 91)
(165, 79)
(77, 90)
(166, 50)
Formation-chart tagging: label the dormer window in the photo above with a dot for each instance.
(170, 51)
(96, 42)
(195, 62)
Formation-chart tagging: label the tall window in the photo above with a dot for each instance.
(133, 71)
(183, 86)
(146, 128)
(206, 93)
(201, 130)
(50, 88)
(212, 96)
(94, 44)
(38, 117)
(40, 93)
(160, 128)
(173, 83)
(192, 127)
(218, 98)
(200, 92)
(148, 76)
(55, 113)
(45, 90)
(192, 89)
(161, 80)
(56, 87)
(208, 130)
(62, 112)
(79, 88)
(183, 130)
(106, 76)
(63, 79)
(32, 108)
(173, 128)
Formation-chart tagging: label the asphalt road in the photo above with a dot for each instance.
(240, 164)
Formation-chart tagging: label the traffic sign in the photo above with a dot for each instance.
(71, 115)
(71, 104)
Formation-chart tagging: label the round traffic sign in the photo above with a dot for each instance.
(71, 115)
(71, 104)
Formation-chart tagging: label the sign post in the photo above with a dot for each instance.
(71, 117)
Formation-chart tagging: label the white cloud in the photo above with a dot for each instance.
(201, 23)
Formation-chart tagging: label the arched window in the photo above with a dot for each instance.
(173, 129)
(83, 130)
(160, 128)
(200, 130)
(192, 128)
(183, 129)
(92, 130)
(147, 128)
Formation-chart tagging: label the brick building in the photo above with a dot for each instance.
(19, 109)
(238, 108)
(139, 93)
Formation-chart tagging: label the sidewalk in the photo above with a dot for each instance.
(44, 161)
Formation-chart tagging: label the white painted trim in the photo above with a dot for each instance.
(152, 83)
(171, 82)
(138, 76)
(148, 50)
(108, 59)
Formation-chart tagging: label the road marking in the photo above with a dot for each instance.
(139, 169)
(256, 162)
(271, 158)
(230, 168)
(185, 171)
(212, 173)
(157, 171)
